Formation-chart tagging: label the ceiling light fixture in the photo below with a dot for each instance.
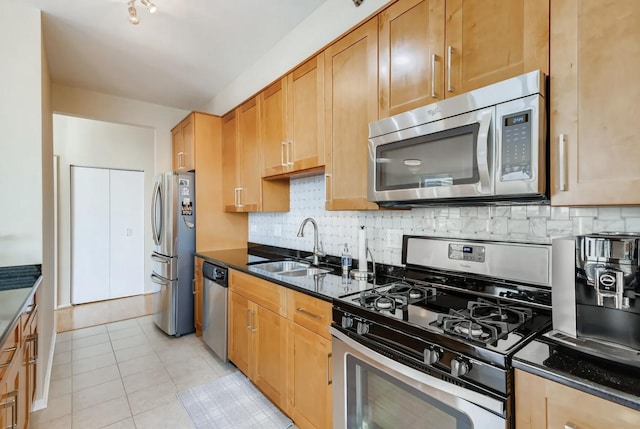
(133, 13)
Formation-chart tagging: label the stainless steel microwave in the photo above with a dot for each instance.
(487, 145)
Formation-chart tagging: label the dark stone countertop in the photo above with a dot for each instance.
(323, 286)
(599, 377)
(17, 285)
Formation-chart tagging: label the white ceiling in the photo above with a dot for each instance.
(181, 56)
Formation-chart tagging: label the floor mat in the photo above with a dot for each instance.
(231, 402)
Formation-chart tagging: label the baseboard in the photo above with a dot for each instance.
(41, 403)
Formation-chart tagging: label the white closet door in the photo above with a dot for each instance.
(127, 233)
(89, 234)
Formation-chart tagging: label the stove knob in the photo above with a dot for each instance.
(363, 328)
(431, 355)
(347, 322)
(459, 367)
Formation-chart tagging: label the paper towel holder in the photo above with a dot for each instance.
(365, 275)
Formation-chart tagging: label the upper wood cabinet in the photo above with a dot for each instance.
(594, 87)
(351, 97)
(435, 49)
(492, 40)
(292, 120)
(243, 187)
(183, 145)
(542, 404)
(411, 55)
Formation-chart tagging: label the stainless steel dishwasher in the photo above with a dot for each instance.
(214, 313)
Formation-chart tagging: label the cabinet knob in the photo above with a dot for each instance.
(570, 425)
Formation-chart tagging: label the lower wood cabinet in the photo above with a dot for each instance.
(198, 297)
(310, 372)
(18, 356)
(258, 335)
(545, 404)
(280, 339)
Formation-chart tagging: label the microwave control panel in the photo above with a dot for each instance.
(516, 147)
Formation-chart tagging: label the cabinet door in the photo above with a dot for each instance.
(270, 338)
(594, 90)
(188, 146)
(273, 129)
(239, 332)
(351, 96)
(491, 40)
(177, 147)
(311, 375)
(305, 114)
(411, 58)
(198, 284)
(249, 156)
(230, 161)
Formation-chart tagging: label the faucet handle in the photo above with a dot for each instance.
(320, 250)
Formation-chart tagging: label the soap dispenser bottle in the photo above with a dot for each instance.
(346, 260)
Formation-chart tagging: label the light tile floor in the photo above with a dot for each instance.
(124, 375)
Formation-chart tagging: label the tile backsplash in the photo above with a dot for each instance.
(519, 223)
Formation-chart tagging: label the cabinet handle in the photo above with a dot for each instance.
(283, 148)
(240, 197)
(9, 349)
(307, 313)
(570, 425)
(180, 160)
(253, 321)
(193, 286)
(329, 379)
(12, 402)
(327, 187)
(246, 317)
(562, 167)
(433, 76)
(449, 55)
(290, 154)
(33, 338)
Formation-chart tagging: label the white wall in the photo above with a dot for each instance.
(109, 108)
(519, 223)
(21, 129)
(324, 25)
(90, 143)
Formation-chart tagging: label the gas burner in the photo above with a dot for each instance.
(384, 303)
(381, 301)
(470, 329)
(409, 291)
(490, 311)
(461, 324)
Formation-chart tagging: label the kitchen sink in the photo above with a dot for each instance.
(304, 272)
(289, 268)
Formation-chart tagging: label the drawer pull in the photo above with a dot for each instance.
(329, 379)
(12, 402)
(34, 339)
(308, 313)
(7, 350)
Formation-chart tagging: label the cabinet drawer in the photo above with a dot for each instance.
(312, 313)
(10, 349)
(264, 293)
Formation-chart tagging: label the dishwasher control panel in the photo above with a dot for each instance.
(215, 273)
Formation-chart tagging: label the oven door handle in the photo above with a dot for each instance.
(476, 398)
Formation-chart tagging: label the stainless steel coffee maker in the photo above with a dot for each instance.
(595, 282)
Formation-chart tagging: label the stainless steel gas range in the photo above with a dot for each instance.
(433, 350)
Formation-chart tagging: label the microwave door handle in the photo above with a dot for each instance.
(482, 152)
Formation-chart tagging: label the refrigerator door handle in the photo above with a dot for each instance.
(154, 215)
(159, 280)
(160, 258)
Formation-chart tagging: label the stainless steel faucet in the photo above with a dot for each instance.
(316, 249)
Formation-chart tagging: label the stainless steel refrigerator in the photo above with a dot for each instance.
(173, 228)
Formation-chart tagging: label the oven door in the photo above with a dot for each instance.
(448, 158)
(374, 391)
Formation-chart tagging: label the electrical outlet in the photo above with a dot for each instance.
(394, 238)
(277, 230)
